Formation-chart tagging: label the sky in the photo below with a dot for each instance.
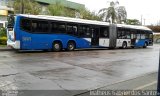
(148, 10)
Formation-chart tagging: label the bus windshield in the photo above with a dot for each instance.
(11, 21)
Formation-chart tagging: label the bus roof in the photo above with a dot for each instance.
(134, 27)
(67, 19)
(94, 22)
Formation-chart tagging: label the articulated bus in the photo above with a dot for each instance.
(40, 32)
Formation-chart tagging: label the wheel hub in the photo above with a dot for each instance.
(56, 46)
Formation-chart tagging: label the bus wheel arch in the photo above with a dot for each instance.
(71, 45)
(57, 45)
(124, 44)
(145, 44)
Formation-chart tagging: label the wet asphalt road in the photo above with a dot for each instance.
(76, 70)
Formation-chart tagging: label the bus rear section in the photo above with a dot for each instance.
(133, 36)
(142, 38)
(11, 34)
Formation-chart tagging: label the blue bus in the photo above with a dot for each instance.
(41, 32)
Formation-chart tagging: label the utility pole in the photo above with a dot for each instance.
(141, 19)
(144, 22)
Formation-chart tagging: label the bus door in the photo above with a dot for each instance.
(10, 28)
(95, 36)
(150, 39)
(133, 38)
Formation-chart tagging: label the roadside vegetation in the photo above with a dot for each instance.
(26, 7)
(114, 13)
(3, 36)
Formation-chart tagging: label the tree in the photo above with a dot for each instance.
(122, 14)
(114, 12)
(133, 22)
(59, 10)
(86, 14)
(26, 7)
(3, 32)
(56, 9)
(154, 28)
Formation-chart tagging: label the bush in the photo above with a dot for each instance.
(3, 32)
(3, 40)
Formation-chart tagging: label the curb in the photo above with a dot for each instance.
(5, 49)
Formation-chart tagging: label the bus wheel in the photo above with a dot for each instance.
(124, 45)
(57, 46)
(71, 46)
(145, 45)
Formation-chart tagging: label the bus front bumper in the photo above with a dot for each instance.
(14, 45)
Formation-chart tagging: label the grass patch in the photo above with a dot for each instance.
(3, 45)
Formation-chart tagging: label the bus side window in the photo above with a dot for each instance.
(104, 32)
(88, 34)
(54, 27)
(62, 28)
(75, 30)
(128, 34)
(71, 29)
(146, 35)
(80, 31)
(58, 27)
(150, 36)
(34, 27)
(124, 36)
(138, 34)
(119, 33)
(26, 24)
(84, 31)
(133, 34)
(142, 35)
(40, 26)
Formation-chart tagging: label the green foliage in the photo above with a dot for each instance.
(59, 10)
(3, 40)
(133, 22)
(56, 9)
(26, 7)
(3, 32)
(86, 14)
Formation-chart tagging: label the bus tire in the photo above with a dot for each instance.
(124, 45)
(71, 46)
(57, 46)
(111, 48)
(145, 45)
(45, 50)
